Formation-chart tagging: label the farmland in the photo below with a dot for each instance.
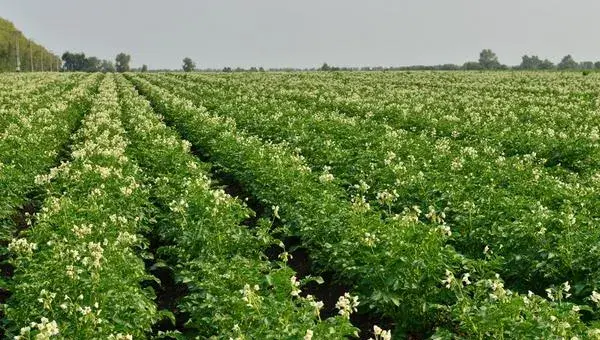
(317, 205)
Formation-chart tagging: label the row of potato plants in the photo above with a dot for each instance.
(28, 96)
(536, 221)
(78, 274)
(400, 267)
(234, 291)
(554, 115)
(30, 144)
(14, 88)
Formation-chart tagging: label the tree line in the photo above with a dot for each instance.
(488, 60)
(78, 62)
(18, 53)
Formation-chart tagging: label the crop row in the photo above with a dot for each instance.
(25, 98)
(29, 145)
(233, 290)
(78, 273)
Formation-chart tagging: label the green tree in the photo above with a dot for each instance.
(472, 65)
(188, 65)
(122, 62)
(144, 68)
(74, 61)
(530, 63)
(567, 63)
(586, 65)
(546, 65)
(107, 66)
(488, 60)
(325, 67)
(92, 64)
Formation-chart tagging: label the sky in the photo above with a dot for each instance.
(282, 33)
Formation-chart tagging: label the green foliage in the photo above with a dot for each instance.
(535, 63)
(188, 65)
(488, 60)
(32, 56)
(122, 62)
(74, 62)
(419, 166)
(220, 260)
(78, 272)
(567, 63)
(456, 205)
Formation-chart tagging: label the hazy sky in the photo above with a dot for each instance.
(276, 33)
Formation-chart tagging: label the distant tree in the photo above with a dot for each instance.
(567, 63)
(122, 62)
(107, 66)
(92, 64)
(530, 63)
(74, 61)
(261, 69)
(586, 65)
(488, 60)
(597, 65)
(472, 65)
(547, 65)
(188, 65)
(253, 69)
(144, 68)
(325, 67)
(227, 69)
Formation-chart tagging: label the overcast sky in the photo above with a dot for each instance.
(277, 33)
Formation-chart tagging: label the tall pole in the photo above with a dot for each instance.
(18, 56)
(31, 56)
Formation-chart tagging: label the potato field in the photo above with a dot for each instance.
(315, 205)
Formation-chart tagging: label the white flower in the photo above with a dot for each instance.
(449, 278)
(457, 164)
(326, 177)
(465, 279)
(21, 247)
(370, 239)
(295, 284)
(360, 204)
(347, 304)
(309, 335)
(381, 334)
(445, 229)
(85, 310)
(595, 297)
(387, 198)
(550, 293)
(317, 305)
